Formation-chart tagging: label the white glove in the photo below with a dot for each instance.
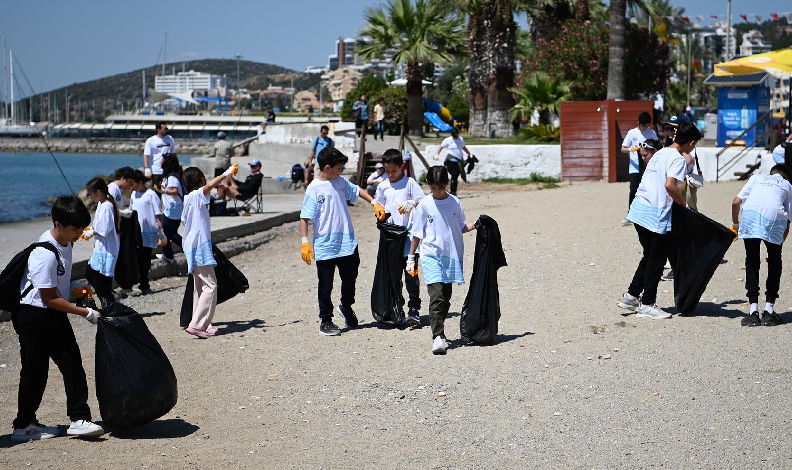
(125, 213)
(147, 172)
(406, 206)
(736, 225)
(87, 234)
(161, 236)
(231, 171)
(410, 260)
(93, 316)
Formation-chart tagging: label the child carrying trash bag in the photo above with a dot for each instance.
(399, 195)
(437, 227)
(766, 206)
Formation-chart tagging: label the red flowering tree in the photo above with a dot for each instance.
(579, 55)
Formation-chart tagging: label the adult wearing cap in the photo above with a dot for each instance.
(242, 190)
(670, 129)
(455, 159)
(222, 153)
(375, 179)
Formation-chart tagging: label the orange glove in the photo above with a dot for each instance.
(634, 149)
(378, 210)
(412, 266)
(307, 252)
(84, 291)
(87, 234)
(735, 231)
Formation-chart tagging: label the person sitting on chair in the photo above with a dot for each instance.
(242, 190)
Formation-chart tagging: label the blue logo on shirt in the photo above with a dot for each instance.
(61, 268)
(320, 199)
(431, 218)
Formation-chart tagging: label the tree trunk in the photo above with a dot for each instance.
(616, 88)
(414, 101)
(582, 12)
(477, 74)
(503, 35)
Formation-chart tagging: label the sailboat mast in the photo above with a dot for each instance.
(4, 89)
(165, 55)
(11, 64)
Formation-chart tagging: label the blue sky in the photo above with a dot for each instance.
(62, 42)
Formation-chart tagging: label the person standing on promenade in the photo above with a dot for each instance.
(361, 112)
(634, 137)
(379, 113)
(319, 143)
(156, 146)
(222, 153)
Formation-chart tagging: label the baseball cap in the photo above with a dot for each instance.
(221, 134)
(255, 162)
(673, 121)
(379, 165)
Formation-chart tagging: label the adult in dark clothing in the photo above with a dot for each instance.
(243, 190)
(361, 108)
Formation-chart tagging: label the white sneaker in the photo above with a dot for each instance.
(35, 432)
(625, 222)
(84, 428)
(652, 312)
(440, 345)
(631, 305)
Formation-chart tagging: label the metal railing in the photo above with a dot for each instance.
(760, 138)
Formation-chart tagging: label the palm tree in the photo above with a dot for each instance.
(616, 54)
(539, 93)
(424, 32)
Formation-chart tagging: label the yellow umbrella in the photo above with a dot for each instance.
(776, 63)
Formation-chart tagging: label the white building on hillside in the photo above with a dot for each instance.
(184, 82)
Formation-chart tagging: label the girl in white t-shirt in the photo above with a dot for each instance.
(197, 246)
(437, 226)
(172, 203)
(101, 266)
(147, 204)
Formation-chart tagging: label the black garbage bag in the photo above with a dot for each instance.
(386, 292)
(230, 282)
(135, 383)
(701, 244)
(481, 310)
(130, 241)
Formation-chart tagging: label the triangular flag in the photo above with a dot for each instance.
(745, 17)
(788, 17)
(686, 18)
(699, 17)
(775, 16)
(670, 19)
(758, 18)
(714, 16)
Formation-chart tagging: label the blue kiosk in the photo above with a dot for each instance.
(742, 99)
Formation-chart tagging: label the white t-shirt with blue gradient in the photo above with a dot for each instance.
(632, 139)
(148, 207)
(766, 208)
(197, 240)
(325, 204)
(439, 224)
(390, 195)
(651, 208)
(107, 243)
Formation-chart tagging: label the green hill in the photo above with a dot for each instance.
(109, 93)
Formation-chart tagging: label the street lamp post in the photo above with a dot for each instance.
(238, 56)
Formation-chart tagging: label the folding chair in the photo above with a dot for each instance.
(256, 201)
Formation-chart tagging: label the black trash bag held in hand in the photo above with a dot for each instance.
(481, 310)
(130, 241)
(701, 244)
(230, 282)
(135, 383)
(387, 300)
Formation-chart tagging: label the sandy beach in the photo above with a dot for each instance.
(570, 383)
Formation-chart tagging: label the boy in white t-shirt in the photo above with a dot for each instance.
(147, 204)
(650, 212)
(399, 195)
(197, 246)
(437, 226)
(45, 332)
(633, 138)
(335, 244)
(766, 202)
(122, 180)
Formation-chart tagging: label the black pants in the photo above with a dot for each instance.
(453, 173)
(413, 286)
(102, 285)
(656, 248)
(752, 263)
(348, 271)
(144, 265)
(44, 334)
(361, 124)
(171, 229)
(635, 181)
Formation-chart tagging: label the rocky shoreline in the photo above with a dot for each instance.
(79, 145)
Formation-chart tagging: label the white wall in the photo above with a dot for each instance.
(503, 161)
(709, 162)
(291, 143)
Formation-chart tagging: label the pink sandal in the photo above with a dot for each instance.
(199, 333)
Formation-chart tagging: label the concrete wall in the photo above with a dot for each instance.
(709, 162)
(292, 143)
(503, 161)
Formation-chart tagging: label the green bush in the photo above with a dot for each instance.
(542, 133)
(369, 85)
(395, 100)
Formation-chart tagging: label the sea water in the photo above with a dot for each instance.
(29, 178)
